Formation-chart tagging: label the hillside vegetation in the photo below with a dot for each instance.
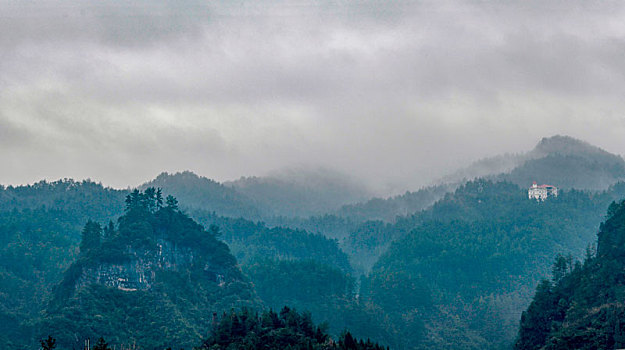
(155, 279)
(465, 271)
(581, 307)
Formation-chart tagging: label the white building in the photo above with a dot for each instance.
(540, 193)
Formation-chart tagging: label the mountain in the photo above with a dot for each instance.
(197, 192)
(251, 241)
(155, 279)
(40, 241)
(569, 163)
(301, 193)
(460, 273)
(40, 229)
(36, 246)
(561, 161)
(287, 194)
(305, 270)
(82, 199)
(485, 167)
(388, 209)
(582, 307)
(569, 146)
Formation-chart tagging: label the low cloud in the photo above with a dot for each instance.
(396, 95)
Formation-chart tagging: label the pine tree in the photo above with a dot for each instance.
(109, 230)
(133, 200)
(159, 199)
(172, 202)
(149, 199)
(91, 236)
(101, 345)
(48, 344)
(348, 342)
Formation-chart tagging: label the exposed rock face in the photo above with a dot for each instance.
(139, 271)
(153, 280)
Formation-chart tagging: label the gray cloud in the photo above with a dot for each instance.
(395, 94)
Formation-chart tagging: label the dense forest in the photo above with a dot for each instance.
(154, 278)
(451, 265)
(249, 329)
(581, 305)
(466, 269)
(271, 330)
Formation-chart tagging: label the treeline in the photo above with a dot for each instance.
(269, 330)
(81, 200)
(247, 329)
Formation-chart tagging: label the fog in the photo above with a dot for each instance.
(395, 95)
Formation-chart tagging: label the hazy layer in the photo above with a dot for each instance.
(396, 95)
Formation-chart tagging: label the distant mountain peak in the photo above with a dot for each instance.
(565, 145)
(560, 160)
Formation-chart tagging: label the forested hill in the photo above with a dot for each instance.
(40, 227)
(302, 193)
(569, 163)
(82, 200)
(294, 194)
(562, 161)
(388, 209)
(154, 279)
(465, 268)
(197, 192)
(581, 307)
(304, 270)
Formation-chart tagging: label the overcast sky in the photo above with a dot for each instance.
(395, 95)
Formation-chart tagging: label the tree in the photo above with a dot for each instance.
(48, 344)
(560, 268)
(133, 199)
(159, 199)
(109, 230)
(91, 236)
(101, 345)
(149, 199)
(172, 202)
(348, 342)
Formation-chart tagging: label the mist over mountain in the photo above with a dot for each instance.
(294, 193)
(199, 192)
(569, 163)
(562, 161)
(312, 175)
(447, 265)
(302, 192)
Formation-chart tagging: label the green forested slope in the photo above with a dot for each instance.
(464, 272)
(198, 192)
(581, 307)
(155, 279)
